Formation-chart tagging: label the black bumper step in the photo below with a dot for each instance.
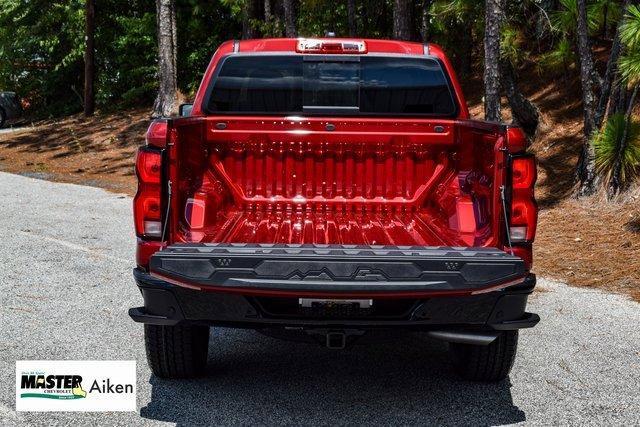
(336, 268)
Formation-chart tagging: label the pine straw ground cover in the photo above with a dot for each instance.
(98, 151)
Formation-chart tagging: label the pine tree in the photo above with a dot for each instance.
(89, 58)
(166, 101)
(402, 19)
(585, 170)
(351, 17)
(493, 19)
(289, 18)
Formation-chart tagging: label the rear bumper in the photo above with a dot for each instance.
(169, 304)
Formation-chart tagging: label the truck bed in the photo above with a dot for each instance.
(419, 182)
(258, 226)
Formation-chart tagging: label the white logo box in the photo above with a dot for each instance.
(75, 385)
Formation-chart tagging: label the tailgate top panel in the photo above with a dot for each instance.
(335, 268)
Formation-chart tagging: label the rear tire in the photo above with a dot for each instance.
(487, 363)
(3, 118)
(178, 351)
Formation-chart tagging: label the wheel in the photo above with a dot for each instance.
(177, 351)
(487, 363)
(3, 118)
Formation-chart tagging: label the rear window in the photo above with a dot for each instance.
(353, 85)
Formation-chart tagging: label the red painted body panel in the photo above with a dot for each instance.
(289, 46)
(393, 181)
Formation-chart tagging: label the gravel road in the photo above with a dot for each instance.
(66, 254)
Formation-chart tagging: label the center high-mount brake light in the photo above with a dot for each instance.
(331, 46)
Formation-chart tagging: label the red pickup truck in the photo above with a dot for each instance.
(323, 188)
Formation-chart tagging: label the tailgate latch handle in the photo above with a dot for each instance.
(503, 197)
(166, 214)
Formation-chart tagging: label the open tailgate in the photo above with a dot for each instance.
(336, 268)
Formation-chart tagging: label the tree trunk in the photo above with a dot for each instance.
(289, 18)
(351, 17)
(617, 103)
(166, 101)
(493, 18)
(605, 93)
(596, 80)
(250, 14)
(402, 19)
(267, 10)
(89, 58)
(616, 183)
(424, 20)
(525, 113)
(612, 66)
(585, 169)
(605, 24)
(627, 116)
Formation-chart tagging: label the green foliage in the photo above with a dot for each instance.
(630, 30)
(565, 18)
(316, 17)
(559, 59)
(606, 143)
(562, 54)
(629, 65)
(629, 62)
(41, 51)
(236, 7)
(455, 10)
(273, 27)
(42, 42)
(458, 26)
(511, 45)
(610, 10)
(202, 26)
(126, 53)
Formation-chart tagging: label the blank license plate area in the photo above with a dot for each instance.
(335, 307)
(327, 303)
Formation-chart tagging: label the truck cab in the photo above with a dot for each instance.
(330, 187)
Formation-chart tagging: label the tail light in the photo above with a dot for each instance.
(157, 134)
(524, 211)
(516, 140)
(147, 204)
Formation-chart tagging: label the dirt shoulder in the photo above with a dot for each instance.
(586, 242)
(98, 151)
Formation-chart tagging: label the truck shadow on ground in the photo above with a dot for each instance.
(254, 379)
